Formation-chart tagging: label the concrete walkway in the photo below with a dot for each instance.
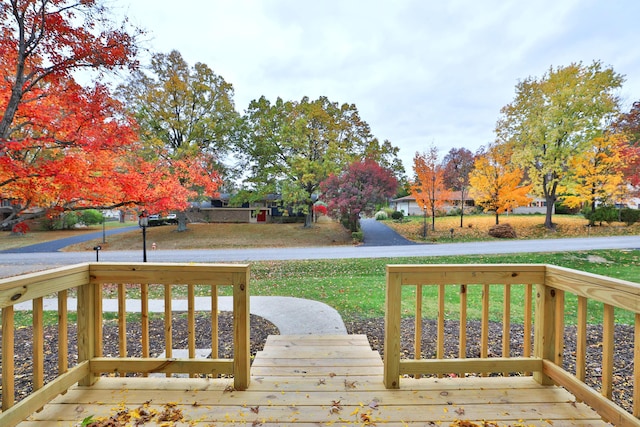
(292, 316)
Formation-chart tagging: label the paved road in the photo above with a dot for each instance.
(12, 264)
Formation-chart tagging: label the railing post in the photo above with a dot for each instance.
(392, 330)
(8, 365)
(86, 328)
(544, 341)
(241, 330)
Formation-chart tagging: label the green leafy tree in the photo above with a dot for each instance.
(91, 217)
(187, 119)
(289, 148)
(554, 118)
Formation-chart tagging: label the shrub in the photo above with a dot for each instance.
(397, 215)
(629, 216)
(602, 214)
(91, 216)
(20, 228)
(358, 236)
(502, 231)
(381, 215)
(60, 221)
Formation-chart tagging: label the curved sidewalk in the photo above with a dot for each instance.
(292, 316)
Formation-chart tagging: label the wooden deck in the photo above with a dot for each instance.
(314, 381)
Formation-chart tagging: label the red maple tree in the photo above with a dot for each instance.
(68, 146)
(360, 189)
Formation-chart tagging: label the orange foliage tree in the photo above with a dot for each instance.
(63, 145)
(428, 186)
(496, 184)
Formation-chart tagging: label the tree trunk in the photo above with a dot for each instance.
(461, 206)
(308, 220)
(550, 199)
(548, 223)
(497, 218)
(182, 221)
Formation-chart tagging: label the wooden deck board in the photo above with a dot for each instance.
(308, 381)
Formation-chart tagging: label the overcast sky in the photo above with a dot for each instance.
(420, 72)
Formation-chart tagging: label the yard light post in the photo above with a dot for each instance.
(424, 230)
(143, 221)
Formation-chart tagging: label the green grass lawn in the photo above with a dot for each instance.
(356, 287)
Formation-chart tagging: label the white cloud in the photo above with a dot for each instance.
(419, 72)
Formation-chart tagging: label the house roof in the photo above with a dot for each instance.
(453, 195)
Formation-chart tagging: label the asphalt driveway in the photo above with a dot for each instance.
(377, 233)
(57, 245)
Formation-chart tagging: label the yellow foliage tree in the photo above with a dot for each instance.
(496, 184)
(598, 173)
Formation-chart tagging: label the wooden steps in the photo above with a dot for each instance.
(317, 356)
(316, 381)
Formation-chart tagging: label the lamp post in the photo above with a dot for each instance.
(143, 221)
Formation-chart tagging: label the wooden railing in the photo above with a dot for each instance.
(543, 317)
(87, 281)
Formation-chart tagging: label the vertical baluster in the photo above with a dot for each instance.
(462, 346)
(38, 344)
(484, 327)
(97, 322)
(506, 324)
(417, 338)
(144, 320)
(441, 318)
(636, 367)
(168, 328)
(122, 320)
(191, 320)
(214, 322)
(607, 350)
(8, 385)
(581, 340)
(559, 334)
(528, 321)
(63, 341)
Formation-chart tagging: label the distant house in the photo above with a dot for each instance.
(409, 206)
(537, 206)
(220, 210)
